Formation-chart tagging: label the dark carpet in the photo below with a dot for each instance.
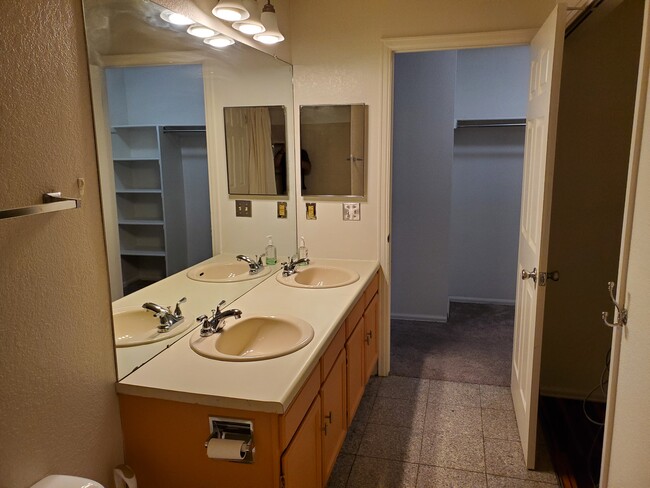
(474, 346)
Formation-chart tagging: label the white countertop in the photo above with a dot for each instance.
(270, 385)
(201, 298)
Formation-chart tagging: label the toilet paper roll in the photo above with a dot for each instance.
(226, 449)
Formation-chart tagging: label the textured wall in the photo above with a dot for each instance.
(59, 409)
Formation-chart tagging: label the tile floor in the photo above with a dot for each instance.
(421, 433)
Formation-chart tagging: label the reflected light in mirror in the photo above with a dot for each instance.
(230, 10)
(199, 30)
(219, 41)
(175, 18)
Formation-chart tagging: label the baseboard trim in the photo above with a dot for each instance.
(488, 301)
(418, 317)
(571, 394)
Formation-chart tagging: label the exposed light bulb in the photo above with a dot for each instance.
(252, 25)
(175, 18)
(272, 33)
(199, 30)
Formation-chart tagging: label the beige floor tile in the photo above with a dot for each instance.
(455, 419)
(497, 397)
(505, 458)
(381, 473)
(341, 471)
(391, 442)
(398, 412)
(403, 387)
(436, 477)
(353, 437)
(453, 393)
(448, 450)
(500, 424)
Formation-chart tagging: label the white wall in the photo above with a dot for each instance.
(57, 365)
(423, 140)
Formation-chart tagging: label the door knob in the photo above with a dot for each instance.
(529, 274)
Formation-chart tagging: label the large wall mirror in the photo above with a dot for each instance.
(333, 150)
(256, 139)
(158, 100)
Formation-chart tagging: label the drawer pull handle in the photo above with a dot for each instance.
(328, 417)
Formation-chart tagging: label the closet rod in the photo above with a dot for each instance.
(52, 202)
(465, 124)
(183, 128)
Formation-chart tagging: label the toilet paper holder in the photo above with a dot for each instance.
(234, 429)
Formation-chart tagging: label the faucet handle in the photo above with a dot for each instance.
(259, 261)
(218, 309)
(177, 309)
(206, 328)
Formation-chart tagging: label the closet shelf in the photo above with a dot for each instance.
(142, 252)
(140, 222)
(136, 160)
(138, 190)
(480, 123)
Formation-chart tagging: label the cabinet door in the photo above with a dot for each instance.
(371, 348)
(301, 461)
(333, 399)
(356, 379)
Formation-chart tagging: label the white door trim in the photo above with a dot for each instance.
(626, 235)
(390, 46)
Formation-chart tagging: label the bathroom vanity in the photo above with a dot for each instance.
(299, 405)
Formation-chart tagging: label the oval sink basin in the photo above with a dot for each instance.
(254, 338)
(315, 276)
(135, 326)
(224, 272)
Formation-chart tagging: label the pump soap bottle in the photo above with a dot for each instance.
(302, 251)
(271, 252)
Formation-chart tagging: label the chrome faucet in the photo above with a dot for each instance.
(215, 324)
(253, 267)
(167, 318)
(290, 268)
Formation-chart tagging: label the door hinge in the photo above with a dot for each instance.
(551, 275)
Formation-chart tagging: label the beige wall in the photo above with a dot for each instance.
(59, 409)
(336, 53)
(593, 146)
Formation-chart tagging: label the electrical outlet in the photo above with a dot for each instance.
(311, 211)
(352, 211)
(282, 210)
(243, 208)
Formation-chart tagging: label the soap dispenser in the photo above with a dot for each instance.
(271, 252)
(302, 251)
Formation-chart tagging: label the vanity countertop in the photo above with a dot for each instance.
(202, 297)
(270, 385)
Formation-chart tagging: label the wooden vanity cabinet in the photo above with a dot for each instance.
(164, 440)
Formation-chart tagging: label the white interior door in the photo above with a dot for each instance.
(541, 121)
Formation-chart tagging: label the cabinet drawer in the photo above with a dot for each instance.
(290, 421)
(354, 316)
(329, 358)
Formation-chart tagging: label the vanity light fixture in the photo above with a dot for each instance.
(219, 41)
(272, 33)
(230, 10)
(199, 30)
(252, 25)
(175, 18)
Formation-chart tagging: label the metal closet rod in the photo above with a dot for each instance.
(465, 124)
(52, 202)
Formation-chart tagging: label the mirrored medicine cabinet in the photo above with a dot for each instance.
(159, 96)
(333, 151)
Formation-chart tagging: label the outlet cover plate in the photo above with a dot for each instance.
(352, 211)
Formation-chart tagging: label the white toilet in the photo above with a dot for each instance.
(63, 481)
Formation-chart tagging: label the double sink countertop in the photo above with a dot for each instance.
(182, 375)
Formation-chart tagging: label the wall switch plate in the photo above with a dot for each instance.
(311, 211)
(282, 210)
(243, 208)
(352, 211)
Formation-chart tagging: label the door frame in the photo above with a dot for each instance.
(390, 47)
